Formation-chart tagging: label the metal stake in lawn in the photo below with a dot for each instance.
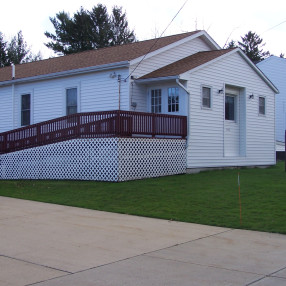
(238, 180)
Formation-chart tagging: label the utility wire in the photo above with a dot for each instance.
(156, 40)
(275, 26)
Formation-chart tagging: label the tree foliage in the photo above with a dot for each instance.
(16, 51)
(252, 45)
(3, 51)
(88, 30)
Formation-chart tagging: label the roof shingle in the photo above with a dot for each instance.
(90, 58)
(186, 64)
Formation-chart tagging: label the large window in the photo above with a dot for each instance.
(206, 97)
(262, 105)
(156, 101)
(25, 109)
(173, 99)
(71, 96)
(229, 107)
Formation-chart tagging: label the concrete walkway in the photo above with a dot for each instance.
(50, 245)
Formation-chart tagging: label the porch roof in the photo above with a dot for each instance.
(185, 64)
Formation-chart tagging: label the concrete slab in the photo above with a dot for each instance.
(150, 271)
(52, 245)
(18, 273)
(270, 281)
(254, 252)
(74, 239)
(281, 274)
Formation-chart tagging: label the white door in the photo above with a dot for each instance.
(231, 132)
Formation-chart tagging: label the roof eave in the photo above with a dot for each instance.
(111, 66)
(156, 79)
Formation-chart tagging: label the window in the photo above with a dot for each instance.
(173, 99)
(71, 94)
(229, 107)
(156, 101)
(262, 105)
(25, 109)
(206, 97)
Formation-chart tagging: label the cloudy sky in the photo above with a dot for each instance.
(222, 19)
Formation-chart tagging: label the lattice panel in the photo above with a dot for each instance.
(99, 159)
(146, 157)
(79, 159)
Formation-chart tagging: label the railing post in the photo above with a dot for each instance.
(39, 137)
(4, 143)
(153, 125)
(77, 135)
(118, 123)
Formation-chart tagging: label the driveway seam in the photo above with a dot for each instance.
(205, 265)
(131, 257)
(42, 265)
(267, 276)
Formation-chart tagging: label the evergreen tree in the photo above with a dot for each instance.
(16, 51)
(3, 52)
(88, 30)
(251, 44)
(119, 26)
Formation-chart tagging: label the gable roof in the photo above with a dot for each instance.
(104, 56)
(185, 64)
(198, 60)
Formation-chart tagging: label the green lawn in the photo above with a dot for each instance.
(207, 198)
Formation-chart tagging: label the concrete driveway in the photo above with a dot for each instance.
(50, 245)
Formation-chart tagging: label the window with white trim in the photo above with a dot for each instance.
(173, 99)
(206, 97)
(156, 101)
(71, 100)
(25, 109)
(261, 105)
(229, 107)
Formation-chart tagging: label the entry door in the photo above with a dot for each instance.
(231, 132)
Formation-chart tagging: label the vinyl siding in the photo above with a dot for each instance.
(139, 93)
(206, 126)
(275, 69)
(6, 109)
(96, 92)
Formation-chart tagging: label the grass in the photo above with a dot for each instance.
(209, 198)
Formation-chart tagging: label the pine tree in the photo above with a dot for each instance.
(251, 44)
(88, 30)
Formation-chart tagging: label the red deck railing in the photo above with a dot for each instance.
(91, 125)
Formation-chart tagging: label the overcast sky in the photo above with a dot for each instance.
(222, 19)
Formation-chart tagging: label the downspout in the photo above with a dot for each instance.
(13, 97)
(188, 114)
(119, 90)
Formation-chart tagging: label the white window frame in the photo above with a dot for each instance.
(211, 97)
(23, 92)
(65, 88)
(235, 97)
(177, 88)
(261, 114)
(151, 104)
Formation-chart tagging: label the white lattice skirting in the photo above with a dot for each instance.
(98, 159)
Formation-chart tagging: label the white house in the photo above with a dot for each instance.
(275, 69)
(144, 109)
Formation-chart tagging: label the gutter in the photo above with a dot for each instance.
(117, 65)
(156, 79)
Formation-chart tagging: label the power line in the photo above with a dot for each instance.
(157, 40)
(275, 26)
